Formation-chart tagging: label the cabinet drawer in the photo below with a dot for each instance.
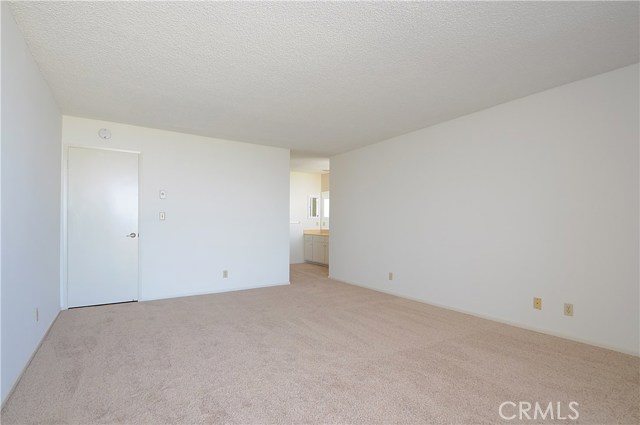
(320, 239)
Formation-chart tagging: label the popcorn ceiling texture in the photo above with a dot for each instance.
(316, 77)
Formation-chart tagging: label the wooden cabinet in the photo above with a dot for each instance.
(316, 249)
(319, 244)
(308, 248)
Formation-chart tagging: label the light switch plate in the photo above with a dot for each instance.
(162, 215)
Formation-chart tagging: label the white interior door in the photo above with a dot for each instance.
(102, 226)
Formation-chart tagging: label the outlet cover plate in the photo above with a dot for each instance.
(568, 309)
(537, 303)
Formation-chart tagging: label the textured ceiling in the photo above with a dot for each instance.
(317, 77)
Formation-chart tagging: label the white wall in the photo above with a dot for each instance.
(226, 208)
(31, 128)
(302, 185)
(535, 197)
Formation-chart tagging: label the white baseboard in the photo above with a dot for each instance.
(499, 320)
(216, 291)
(17, 381)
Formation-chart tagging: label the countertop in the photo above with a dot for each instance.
(317, 232)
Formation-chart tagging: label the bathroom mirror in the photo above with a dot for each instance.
(314, 206)
(325, 204)
(324, 223)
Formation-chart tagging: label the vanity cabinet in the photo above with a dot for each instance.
(308, 248)
(316, 249)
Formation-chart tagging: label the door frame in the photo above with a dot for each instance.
(64, 245)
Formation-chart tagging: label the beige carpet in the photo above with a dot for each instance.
(316, 351)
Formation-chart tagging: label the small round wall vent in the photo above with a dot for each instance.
(104, 134)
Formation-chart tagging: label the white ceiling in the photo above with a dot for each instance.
(318, 77)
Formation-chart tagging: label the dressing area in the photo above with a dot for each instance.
(316, 241)
(309, 218)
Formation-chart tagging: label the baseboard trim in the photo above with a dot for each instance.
(316, 263)
(26, 366)
(217, 291)
(498, 320)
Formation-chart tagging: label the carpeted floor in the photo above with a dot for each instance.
(315, 351)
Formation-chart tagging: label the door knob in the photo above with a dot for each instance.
(131, 235)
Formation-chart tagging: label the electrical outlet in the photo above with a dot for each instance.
(568, 309)
(225, 274)
(390, 275)
(537, 303)
(37, 315)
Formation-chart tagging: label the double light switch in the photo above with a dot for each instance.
(163, 195)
